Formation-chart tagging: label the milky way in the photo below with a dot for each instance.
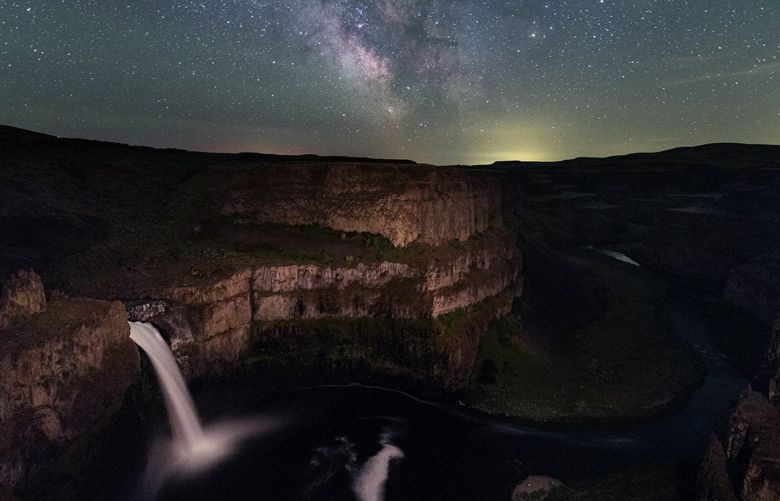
(445, 81)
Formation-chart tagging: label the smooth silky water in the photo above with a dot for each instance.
(192, 449)
(356, 442)
(187, 431)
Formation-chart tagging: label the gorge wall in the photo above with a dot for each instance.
(707, 220)
(65, 365)
(741, 464)
(385, 268)
(454, 253)
(419, 204)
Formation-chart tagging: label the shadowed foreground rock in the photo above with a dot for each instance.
(752, 442)
(535, 488)
(253, 262)
(749, 468)
(64, 371)
(22, 295)
(714, 483)
(746, 464)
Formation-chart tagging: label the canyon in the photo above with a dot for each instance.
(243, 262)
(492, 287)
(707, 219)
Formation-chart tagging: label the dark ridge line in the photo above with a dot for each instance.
(682, 154)
(679, 153)
(15, 134)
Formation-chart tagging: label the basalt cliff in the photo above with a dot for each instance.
(705, 220)
(623, 289)
(245, 262)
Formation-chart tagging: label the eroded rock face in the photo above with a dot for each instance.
(324, 292)
(209, 319)
(22, 294)
(275, 279)
(390, 290)
(209, 324)
(475, 287)
(63, 371)
(745, 464)
(405, 205)
(756, 286)
(754, 446)
(747, 467)
(713, 482)
(772, 367)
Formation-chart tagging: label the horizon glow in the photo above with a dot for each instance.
(436, 81)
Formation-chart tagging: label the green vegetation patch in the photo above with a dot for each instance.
(627, 365)
(438, 352)
(390, 347)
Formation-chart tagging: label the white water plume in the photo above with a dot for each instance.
(192, 448)
(185, 424)
(369, 484)
(615, 255)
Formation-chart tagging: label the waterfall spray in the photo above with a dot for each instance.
(193, 447)
(186, 427)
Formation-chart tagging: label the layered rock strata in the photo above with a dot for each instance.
(395, 267)
(744, 464)
(210, 324)
(745, 467)
(432, 206)
(64, 370)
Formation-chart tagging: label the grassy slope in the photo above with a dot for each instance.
(625, 365)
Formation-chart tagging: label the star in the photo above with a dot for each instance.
(357, 77)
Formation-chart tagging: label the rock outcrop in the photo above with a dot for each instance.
(745, 465)
(22, 294)
(536, 488)
(389, 268)
(771, 367)
(64, 371)
(432, 205)
(210, 324)
(755, 286)
(713, 483)
(747, 468)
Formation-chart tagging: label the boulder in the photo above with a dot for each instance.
(22, 295)
(535, 487)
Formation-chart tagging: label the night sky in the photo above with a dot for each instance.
(446, 81)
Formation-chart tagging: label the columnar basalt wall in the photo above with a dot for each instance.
(470, 253)
(418, 204)
(22, 295)
(743, 463)
(64, 370)
(745, 466)
(180, 238)
(210, 324)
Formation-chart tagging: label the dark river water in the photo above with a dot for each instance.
(367, 443)
(370, 443)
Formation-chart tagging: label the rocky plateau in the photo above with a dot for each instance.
(546, 292)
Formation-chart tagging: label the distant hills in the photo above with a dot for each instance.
(15, 133)
(726, 155)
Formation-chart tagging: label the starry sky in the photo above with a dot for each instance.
(439, 81)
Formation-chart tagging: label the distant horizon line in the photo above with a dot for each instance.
(379, 159)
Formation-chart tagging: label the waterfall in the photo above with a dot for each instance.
(187, 431)
(193, 447)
